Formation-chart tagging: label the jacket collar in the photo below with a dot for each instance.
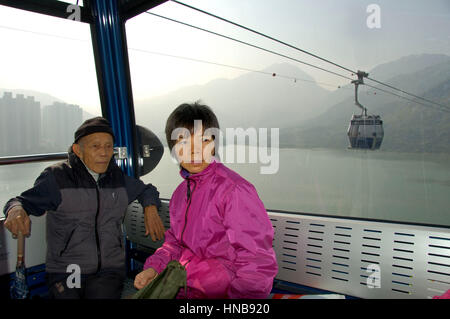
(203, 174)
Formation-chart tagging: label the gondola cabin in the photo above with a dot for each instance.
(365, 132)
(346, 224)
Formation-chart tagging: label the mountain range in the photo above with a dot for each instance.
(408, 126)
(278, 96)
(309, 116)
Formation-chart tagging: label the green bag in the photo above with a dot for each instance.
(165, 285)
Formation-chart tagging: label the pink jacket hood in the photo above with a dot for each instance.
(220, 230)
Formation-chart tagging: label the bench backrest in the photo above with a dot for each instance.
(366, 259)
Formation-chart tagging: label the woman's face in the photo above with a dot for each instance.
(194, 152)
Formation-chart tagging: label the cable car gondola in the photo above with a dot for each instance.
(365, 131)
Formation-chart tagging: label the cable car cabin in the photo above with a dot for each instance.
(365, 132)
(352, 255)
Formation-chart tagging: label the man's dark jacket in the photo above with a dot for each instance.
(84, 217)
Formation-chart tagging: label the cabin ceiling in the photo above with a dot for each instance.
(55, 8)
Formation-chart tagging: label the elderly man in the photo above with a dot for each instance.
(85, 199)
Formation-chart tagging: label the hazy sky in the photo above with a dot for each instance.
(55, 55)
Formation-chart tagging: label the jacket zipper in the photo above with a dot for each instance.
(97, 237)
(189, 197)
(67, 243)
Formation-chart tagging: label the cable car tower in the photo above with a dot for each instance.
(365, 131)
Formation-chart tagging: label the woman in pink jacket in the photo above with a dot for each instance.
(219, 228)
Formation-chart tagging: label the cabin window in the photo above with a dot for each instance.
(48, 86)
(285, 124)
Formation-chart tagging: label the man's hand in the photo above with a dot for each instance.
(144, 278)
(153, 224)
(18, 220)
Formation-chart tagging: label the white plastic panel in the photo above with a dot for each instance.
(135, 227)
(362, 258)
(358, 258)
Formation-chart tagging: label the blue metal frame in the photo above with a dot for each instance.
(111, 57)
(113, 73)
(113, 76)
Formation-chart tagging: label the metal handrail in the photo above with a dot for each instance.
(22, 159)
(119, 153)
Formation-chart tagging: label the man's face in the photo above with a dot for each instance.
(95, 150)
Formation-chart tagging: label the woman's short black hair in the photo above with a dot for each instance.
(185, 115)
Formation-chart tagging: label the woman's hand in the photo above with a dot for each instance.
(144, 278)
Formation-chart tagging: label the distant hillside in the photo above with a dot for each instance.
(407, 65)
(43, 98)
(251, 100)
(309, 116)
(408, 126)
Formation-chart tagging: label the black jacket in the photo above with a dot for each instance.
(84, 217)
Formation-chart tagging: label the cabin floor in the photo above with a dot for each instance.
(279, 287)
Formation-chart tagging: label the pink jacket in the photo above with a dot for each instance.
(220, 229)
(446, 295)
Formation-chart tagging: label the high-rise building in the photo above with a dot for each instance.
(59, 122)
(24, 130)
(20, 124)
